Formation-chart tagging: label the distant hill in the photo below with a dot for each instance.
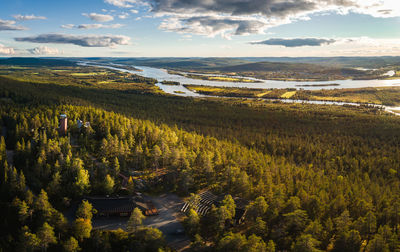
(269, 66)
(202, 63)
(365, 62)
(290, 67)
(36, 62)
(177, 63)
(253, 66)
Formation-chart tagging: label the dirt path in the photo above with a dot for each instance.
(169, 206)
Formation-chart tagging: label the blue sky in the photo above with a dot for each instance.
(183, 28)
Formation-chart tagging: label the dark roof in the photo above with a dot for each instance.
(112, 205)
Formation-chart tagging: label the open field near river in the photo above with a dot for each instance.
(389, 96)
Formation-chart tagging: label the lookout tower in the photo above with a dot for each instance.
(63, 124)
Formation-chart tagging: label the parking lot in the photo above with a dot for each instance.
(168, 206)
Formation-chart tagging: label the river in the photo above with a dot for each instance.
(180, 90)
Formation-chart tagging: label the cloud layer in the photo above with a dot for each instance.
(9, 25)
(85, 40)
(6, 50)
(99, 17)
(44, 50)
(211, 26)
(295, 42)
(20, 17)
(92, 26)
(237, 17)
(121, 3)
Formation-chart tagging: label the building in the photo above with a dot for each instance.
(63, 124)
(121, 206)
(207, 199)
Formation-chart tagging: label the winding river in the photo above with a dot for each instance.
(162, 74)
(180, 90)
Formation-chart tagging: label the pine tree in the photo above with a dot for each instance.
(22, 208)
(46, 236)
(71, 245)
(82, 183)
(130, 186)
(255, 244)
(54, 186)
(28, 240)
(82, 228)
(135, 220)
(116, 166)
(258, 208)
(229, 203)
(85, 210)
(108, 184)
(192, 222)
(42, 204)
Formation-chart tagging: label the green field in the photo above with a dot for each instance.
(88, 74)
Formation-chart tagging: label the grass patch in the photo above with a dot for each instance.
(288, 95)
(59, 70)
(262, 94)
(89, 74)
(106, 82)
(230, 79)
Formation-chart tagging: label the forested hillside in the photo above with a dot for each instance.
(318, 177)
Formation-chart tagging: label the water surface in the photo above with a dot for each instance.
(180, 90)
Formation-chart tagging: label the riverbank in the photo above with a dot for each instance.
(384, 98)
(163, 75)
(211, 77)
(388, 96)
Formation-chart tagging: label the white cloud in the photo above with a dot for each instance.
(121, 3)
(92, 26)
(80, 40)
(20, 17)
(241, 17)
(134, 11)
(365, 46)
(123, 15)
(99, 17)
(211, 26)
(9, 25)
(44, 50)
(350, 46)
(98, 26)
(68, 26)
(6, 50)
